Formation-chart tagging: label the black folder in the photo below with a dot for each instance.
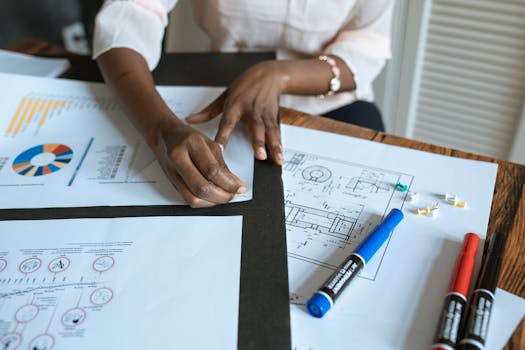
(264, 321)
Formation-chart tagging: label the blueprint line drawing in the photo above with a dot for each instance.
(368, 181)
(330, 224)
(330, 206)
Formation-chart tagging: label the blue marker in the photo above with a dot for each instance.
(324, 298)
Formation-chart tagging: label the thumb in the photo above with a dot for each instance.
(209, 112)
(199, 117)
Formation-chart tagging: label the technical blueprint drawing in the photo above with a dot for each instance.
(330, 206)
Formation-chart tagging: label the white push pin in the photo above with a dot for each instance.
(451, 198)
(435, 209)
(455, 201)
(412, 196)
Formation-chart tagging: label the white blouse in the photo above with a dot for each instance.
(358, 31)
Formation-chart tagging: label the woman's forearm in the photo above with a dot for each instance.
(127, 73)
(192, 162)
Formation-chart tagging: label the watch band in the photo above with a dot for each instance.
(335, 82)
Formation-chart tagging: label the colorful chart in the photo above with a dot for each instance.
(34, 109)
(23, 164)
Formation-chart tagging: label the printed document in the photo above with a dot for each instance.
(125, 283)
(66, 143)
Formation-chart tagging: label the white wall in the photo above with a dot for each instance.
(183, 34)
(517, 153)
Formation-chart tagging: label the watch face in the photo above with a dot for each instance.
(335, 84)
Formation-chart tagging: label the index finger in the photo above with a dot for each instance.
(209, 112)
(229, 120)
(273, 136)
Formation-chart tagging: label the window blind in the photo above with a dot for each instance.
(472, 83)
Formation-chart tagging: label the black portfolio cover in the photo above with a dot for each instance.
(264, 321)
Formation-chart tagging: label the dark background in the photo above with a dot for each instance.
(45, 19)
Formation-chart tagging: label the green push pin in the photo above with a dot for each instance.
(401, 187)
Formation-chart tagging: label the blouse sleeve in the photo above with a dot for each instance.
(364, 43)
(135, 24)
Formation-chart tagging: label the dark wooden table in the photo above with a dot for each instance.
(508, 204)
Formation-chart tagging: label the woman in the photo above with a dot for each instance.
(329, 53)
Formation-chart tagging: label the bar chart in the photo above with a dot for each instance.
(34, 110)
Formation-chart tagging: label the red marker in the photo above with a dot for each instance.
(456, 299)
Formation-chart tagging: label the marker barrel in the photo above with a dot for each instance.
(450, 320)
(475, 328)
(324, 298)
(447, 333)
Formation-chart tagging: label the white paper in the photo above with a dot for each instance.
(126, 283)
(17, 63)
(507, 312)
(336, 189)
(77, 133)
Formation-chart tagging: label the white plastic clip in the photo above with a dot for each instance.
(412, 196)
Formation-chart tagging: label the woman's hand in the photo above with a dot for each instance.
(195, 166)
(193, 163)
(252, 98)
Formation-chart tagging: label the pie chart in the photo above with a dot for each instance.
(42, 159)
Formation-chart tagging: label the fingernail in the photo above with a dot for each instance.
(241, 190)
(279, 158)
(261, 153)
(222, 148)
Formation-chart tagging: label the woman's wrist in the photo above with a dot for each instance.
(277, 71)
(309, 76)
(282, 75)
(161, 123)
